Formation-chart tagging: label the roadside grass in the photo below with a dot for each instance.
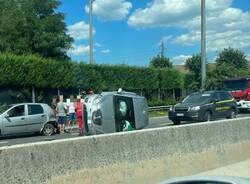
(158, 113)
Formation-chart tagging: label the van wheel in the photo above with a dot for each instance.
(176, 122)
(48, 129)
(207, 116)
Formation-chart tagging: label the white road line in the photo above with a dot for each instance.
(6, 142)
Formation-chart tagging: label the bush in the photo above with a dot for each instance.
(156, 102)
(32, 70)
(35, 71)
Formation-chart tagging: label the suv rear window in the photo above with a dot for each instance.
(35, 109)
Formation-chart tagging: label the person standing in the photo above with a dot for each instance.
(72, 112)
(53, 105)
(79, 112)
(61, 109)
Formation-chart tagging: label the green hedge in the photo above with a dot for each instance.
(110, 77)
(35, 71)
(156, 102)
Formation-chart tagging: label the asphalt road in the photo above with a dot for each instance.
(8, 141)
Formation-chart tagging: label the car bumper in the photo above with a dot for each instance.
(185, 116)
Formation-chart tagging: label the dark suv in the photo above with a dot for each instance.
(204, 107)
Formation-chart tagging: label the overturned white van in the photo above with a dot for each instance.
(113, 111)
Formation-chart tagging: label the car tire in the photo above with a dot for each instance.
(48, 129)
(176, 122)
(232, 114)
(207, 116)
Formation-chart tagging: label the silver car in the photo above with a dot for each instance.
(27, 118)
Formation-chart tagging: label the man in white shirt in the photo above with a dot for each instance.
(72, 112)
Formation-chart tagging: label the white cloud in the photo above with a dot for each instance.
(79, 30)
(77, 50)
(110, 10)
(105, 51)
(180, 60)
(188, 39)
(236, 39)
(217, 41)
(98, 45)
(172, 12)
(226, 26)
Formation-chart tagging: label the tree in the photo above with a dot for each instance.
(232, 57)
(193, 64)
(33, 27)
(160, 62)
(230, 63)
(190, 82)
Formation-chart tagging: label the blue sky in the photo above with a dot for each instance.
(129, 31)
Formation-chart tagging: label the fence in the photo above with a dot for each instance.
(159, 108)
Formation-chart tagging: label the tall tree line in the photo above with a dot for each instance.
(33, 27)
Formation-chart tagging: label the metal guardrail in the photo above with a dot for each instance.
(158, 108)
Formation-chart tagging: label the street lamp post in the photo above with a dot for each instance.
(91, 55)
(203, 44)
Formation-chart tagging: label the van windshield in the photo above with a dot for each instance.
(198, 98)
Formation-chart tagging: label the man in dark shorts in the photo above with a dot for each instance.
(61, 108)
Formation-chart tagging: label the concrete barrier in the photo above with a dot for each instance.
(147, 156)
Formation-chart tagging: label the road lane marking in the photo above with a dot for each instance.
(5, 142)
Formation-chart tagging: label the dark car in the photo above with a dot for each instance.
(204, 106)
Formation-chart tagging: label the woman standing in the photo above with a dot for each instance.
(79, 112)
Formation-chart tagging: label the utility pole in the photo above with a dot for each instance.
(162, 47)
(203, 44)
(91, 57)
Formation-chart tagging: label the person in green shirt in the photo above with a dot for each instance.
(61, 109)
